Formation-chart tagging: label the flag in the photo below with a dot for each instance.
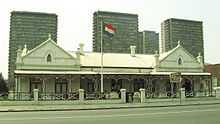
(109, 29)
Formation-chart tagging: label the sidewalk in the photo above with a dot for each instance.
(69, 107)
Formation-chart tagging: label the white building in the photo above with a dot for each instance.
(52, 70)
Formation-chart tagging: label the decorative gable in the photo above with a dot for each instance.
(48, 56)
(179, 60)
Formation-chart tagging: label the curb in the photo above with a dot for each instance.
(105, 108)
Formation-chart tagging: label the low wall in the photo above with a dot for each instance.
(73, 102)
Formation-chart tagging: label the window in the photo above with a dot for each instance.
(49, 58)
(91, 87)
(180, 61)
(116, 86)
(138, 83)
(61, 85)
(35, 83)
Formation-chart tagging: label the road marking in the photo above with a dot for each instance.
(109, 116)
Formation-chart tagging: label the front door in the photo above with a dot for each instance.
(61, 86)
(35, 83)
(61, 89)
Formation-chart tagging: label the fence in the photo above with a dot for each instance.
(169, 94)
(43, 96)
(102, 96)
(141, 96)
(20, 96)
(62, 96)
(59, 96)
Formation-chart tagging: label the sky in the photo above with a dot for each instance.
(75, 20)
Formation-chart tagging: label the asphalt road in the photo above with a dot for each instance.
(201, 114)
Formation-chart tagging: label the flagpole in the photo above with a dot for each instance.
(101, 55)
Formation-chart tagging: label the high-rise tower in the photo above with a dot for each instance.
(126, 26)
(188, 32)
(30, 28)
(149, 42)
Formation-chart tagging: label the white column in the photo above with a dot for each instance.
(69, 85)
(19, 84)
(36, 95)
(172, 91)
(44, 85)
(142, 95)
(81, 94)
(11, 95)
(123, 95)
(19, 88)
(16, 84)
(210, 87)
(182, 93)
(217, 90)
(206, 87)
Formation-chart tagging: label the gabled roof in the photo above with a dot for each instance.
(45, 42)
(125, 59)
(116, 60)
(179, 46)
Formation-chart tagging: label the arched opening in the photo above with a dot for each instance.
(180, 61)
(49, 58)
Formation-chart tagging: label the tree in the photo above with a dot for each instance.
(3, 85)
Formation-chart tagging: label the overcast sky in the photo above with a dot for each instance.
(75, 19)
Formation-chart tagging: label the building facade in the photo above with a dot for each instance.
(126, 26)
(149, 42)
(189, 32)
(59, 73)
(30, 28)
(214, 69)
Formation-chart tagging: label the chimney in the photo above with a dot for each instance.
(199, 59)
(133, 50)
(81, 45)
(78, 56)
(19, 54)
(24, 51)
(156, 56)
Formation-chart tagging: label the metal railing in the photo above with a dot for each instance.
(201, 93)
(176, 94)
(102, 96)
(106, 95)
(59, 96)
(21, 96)
(43, 96)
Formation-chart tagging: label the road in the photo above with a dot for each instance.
(200, 114)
